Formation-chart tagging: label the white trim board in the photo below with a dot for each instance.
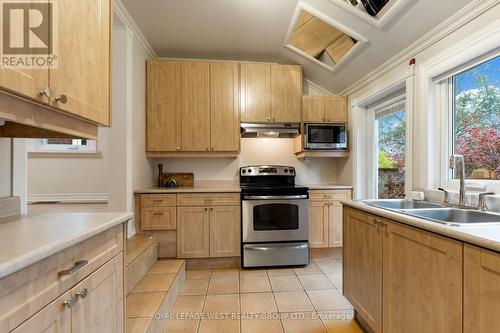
(459, 19)
(69, 198)
(122, 12)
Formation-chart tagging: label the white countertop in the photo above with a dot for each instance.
(328, 186)
(27, 239)
(484, 236)
(202, 186)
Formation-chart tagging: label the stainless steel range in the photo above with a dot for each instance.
(275, 217)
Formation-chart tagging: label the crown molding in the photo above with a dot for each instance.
(122, 12)
(454, 22)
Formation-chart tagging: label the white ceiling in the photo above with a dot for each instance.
(254, 30)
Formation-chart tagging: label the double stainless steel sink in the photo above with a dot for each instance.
(437, 213)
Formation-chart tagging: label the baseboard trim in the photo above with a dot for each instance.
(69, 198)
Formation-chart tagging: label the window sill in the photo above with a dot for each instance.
(64, 154)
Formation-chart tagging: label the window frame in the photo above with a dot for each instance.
(42, 146)
(445, 106)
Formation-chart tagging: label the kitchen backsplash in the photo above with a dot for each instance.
(258, 151)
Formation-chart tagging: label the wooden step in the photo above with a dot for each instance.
(149, 304)
(140, 255)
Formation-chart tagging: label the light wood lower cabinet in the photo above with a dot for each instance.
(403, 279)
(79, 289)
(98, 305)
(481, 290)
(422, 284)
(193, 232)
(204, 232)
(325, 217)
(362, 266)
(225, 231)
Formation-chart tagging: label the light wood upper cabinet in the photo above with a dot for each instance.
(100, 300)
(224, 106)
(193, 232)
(255, 92)
(83, 71)
(313, 109)
(225, 234)
(28, 83)
(422, 281)
(163, 114)
(362, 273)
(481, 290)
(318, 224)
(195, 106)
(336, 108)
(286, 93)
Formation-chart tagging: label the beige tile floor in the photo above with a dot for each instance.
(232, 300)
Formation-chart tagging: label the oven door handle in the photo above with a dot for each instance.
(275, 197)
(267, 248)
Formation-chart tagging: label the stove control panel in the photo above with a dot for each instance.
(267, 170)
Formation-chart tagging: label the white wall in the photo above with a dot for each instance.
(256, 151)
(421, 143)
(5, 167)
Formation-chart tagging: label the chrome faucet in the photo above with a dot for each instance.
(457, 164)
(481, 204)
(446, 199)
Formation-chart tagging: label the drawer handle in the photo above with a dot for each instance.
(78, 265)
(70, 302)
(208, 201)
(158, 213)
(83, 293)
(157, 201)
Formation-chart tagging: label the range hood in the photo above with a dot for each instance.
(266, 130)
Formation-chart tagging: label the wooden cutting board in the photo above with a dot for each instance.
(182, 179)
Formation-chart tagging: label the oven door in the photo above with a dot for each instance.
(275, 218)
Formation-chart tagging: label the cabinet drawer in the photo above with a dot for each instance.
(24, 293)
(325, 195)
(207, 199)
(158, 218)
(158, 200)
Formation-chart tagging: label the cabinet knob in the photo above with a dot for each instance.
(83, 293)
(206, 209)
(269, 119)
(62, 99)
(45, 92)
(177, 148)
(70, 302)
(211, 209)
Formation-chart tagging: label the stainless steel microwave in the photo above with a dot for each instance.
(325, 136)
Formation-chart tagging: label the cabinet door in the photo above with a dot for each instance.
(255, 92)
(224, 107)
(318, 224)
(286, 93)
(54, 318)
(163, 112)
(83, 72)
(195, 101)
(335, 224)
(336, 109)
(422, 281)
(362, 262)
(99, 306)
(481, 290)
(313, 108)
(193, 232)
(161, 218)
(225, 235)
(27, 82)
